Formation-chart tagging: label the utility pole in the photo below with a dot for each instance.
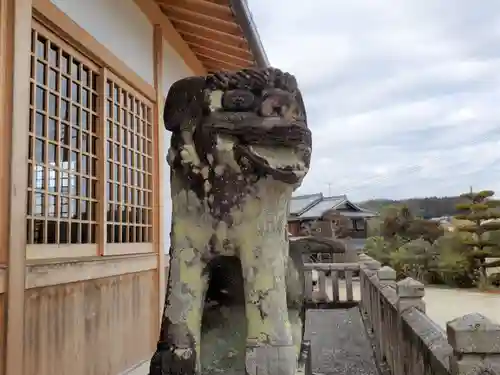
(329, 189)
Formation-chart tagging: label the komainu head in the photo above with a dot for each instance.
(252, 122)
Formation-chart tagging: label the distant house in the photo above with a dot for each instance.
(304, 210)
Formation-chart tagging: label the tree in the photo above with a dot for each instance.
(399, 221)
(381, 249)
(373, 225)
(426, 229)
(428, 207)
(451, 263)
(413, 259)
(482, 217)
(396, 220)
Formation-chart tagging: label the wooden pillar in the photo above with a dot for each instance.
(16, 20)
(5, 134)
(5, 118)
(159, 161)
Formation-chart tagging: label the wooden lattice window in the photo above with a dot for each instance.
(129, 165)
(63, 144)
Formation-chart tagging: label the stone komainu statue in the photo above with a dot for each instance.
(240, 146)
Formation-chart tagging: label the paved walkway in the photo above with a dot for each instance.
(339, 344)
(443, 305)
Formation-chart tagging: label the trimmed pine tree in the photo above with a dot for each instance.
(482, 216)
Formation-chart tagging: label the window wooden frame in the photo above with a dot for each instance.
(57, 132)
(100, 244)
(129, 166)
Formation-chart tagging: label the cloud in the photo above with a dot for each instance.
(402, 97)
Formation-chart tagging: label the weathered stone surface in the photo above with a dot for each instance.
(410, 293)
(313, 245)
(373, 265)
(239, 147)
(386, 273)
(224, 326)
(474, 333)
(475, 342)
(422, 339)
(410, 288)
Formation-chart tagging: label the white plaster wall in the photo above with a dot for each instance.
(120, 26)
(174, 69)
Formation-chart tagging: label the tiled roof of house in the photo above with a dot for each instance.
(301, 203)
(323, 205)
(315, 205)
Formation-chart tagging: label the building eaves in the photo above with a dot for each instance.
(247, 24)
(221, 35)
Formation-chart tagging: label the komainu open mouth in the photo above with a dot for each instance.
(283, 163)
(274, 145)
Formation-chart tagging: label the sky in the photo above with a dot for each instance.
(402, 97)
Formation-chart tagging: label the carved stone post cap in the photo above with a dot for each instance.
(474, 333)
(386, 273)
(373, 265)
(364, 256)
(410, 288)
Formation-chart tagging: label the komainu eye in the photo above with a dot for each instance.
(238, 100)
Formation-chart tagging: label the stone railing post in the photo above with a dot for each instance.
(368, 262)
(373, 265)
(410, 294)
(369, 269)
(476, 345)
(387, 276)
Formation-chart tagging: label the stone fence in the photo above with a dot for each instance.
(332, 272)
(407, 341)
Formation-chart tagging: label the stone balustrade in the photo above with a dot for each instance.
(334, 281)
(407, 341)
(329, 272)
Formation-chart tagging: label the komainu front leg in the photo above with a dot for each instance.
(178, 350)
(269, 349)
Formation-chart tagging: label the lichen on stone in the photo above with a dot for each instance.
(239, 147)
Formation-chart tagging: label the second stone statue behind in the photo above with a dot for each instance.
(240, 145)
